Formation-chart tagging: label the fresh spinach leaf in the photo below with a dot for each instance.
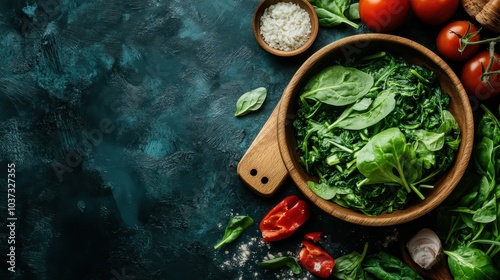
(322, 190)
(353, 119)
(338, 85)
(387, 158)
(348, 267)
(279, 262)
(433, 141)
(353, 12)
(362, 104)
(333, 12)
(487, 213)
(469, 263)
(250, 101)
(234, 229)
(385, 266)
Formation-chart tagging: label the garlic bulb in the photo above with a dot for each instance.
(425, 248)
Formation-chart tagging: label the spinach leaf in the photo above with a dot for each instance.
(234, 229)
(338, 85)
(332, 12)
(322, 190)
(433, 141)
(387, 158)
(385, 266)
(250, 101)
(349, 267)
(489, 126)
(354, 119)
(362, 104)
(470, 263)
(279, 262)
(353, 11)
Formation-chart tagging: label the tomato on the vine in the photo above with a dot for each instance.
(383, 15)
(448, 40)
(434, 11)
(472, 72)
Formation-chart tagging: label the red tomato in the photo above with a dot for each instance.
(471, 76)
(434, 11)
(316, 260)
(448, 41)
(383, 15)
(284, 219)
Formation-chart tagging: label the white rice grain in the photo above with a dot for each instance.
(285, 26)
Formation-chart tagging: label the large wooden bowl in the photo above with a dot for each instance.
(362, 45)
(262, 169)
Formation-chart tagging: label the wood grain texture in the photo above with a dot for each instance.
(261, 167)
(304, 4)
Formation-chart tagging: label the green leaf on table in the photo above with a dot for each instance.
(333, 12)
(469, 263)
(279, 262)
(234, 229)
(348, 267)
(250, 101)
(385, 266)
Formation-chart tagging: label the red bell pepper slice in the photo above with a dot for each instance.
(284, 219)
(316, 260)
(313, 236)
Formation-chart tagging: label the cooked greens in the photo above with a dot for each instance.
(374, 131)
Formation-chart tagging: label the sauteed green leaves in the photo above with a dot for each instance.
(392, 140)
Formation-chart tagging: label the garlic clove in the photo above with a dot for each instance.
(425, 248)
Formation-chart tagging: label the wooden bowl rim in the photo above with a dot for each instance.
(398, 216)
(256, 27)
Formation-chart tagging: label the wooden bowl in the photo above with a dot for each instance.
(362, 45)
(304, 4)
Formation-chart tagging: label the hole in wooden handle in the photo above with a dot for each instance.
(261, 167)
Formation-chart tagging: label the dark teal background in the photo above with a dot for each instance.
(119, 118)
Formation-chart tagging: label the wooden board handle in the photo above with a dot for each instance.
(262, 167)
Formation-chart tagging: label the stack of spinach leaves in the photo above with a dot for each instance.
(469, 220)
(374, 131)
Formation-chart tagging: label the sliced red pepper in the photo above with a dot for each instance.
(284, 219)
(313, 236)
(316, 260)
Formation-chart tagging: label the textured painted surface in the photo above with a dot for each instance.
(119, 118)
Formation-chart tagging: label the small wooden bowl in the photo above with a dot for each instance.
(364, 44)
(304, 4)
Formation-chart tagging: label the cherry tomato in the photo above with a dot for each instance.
(448, 41)
(434, 11)
(471, 76)
(316, 260)
(383, 15)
